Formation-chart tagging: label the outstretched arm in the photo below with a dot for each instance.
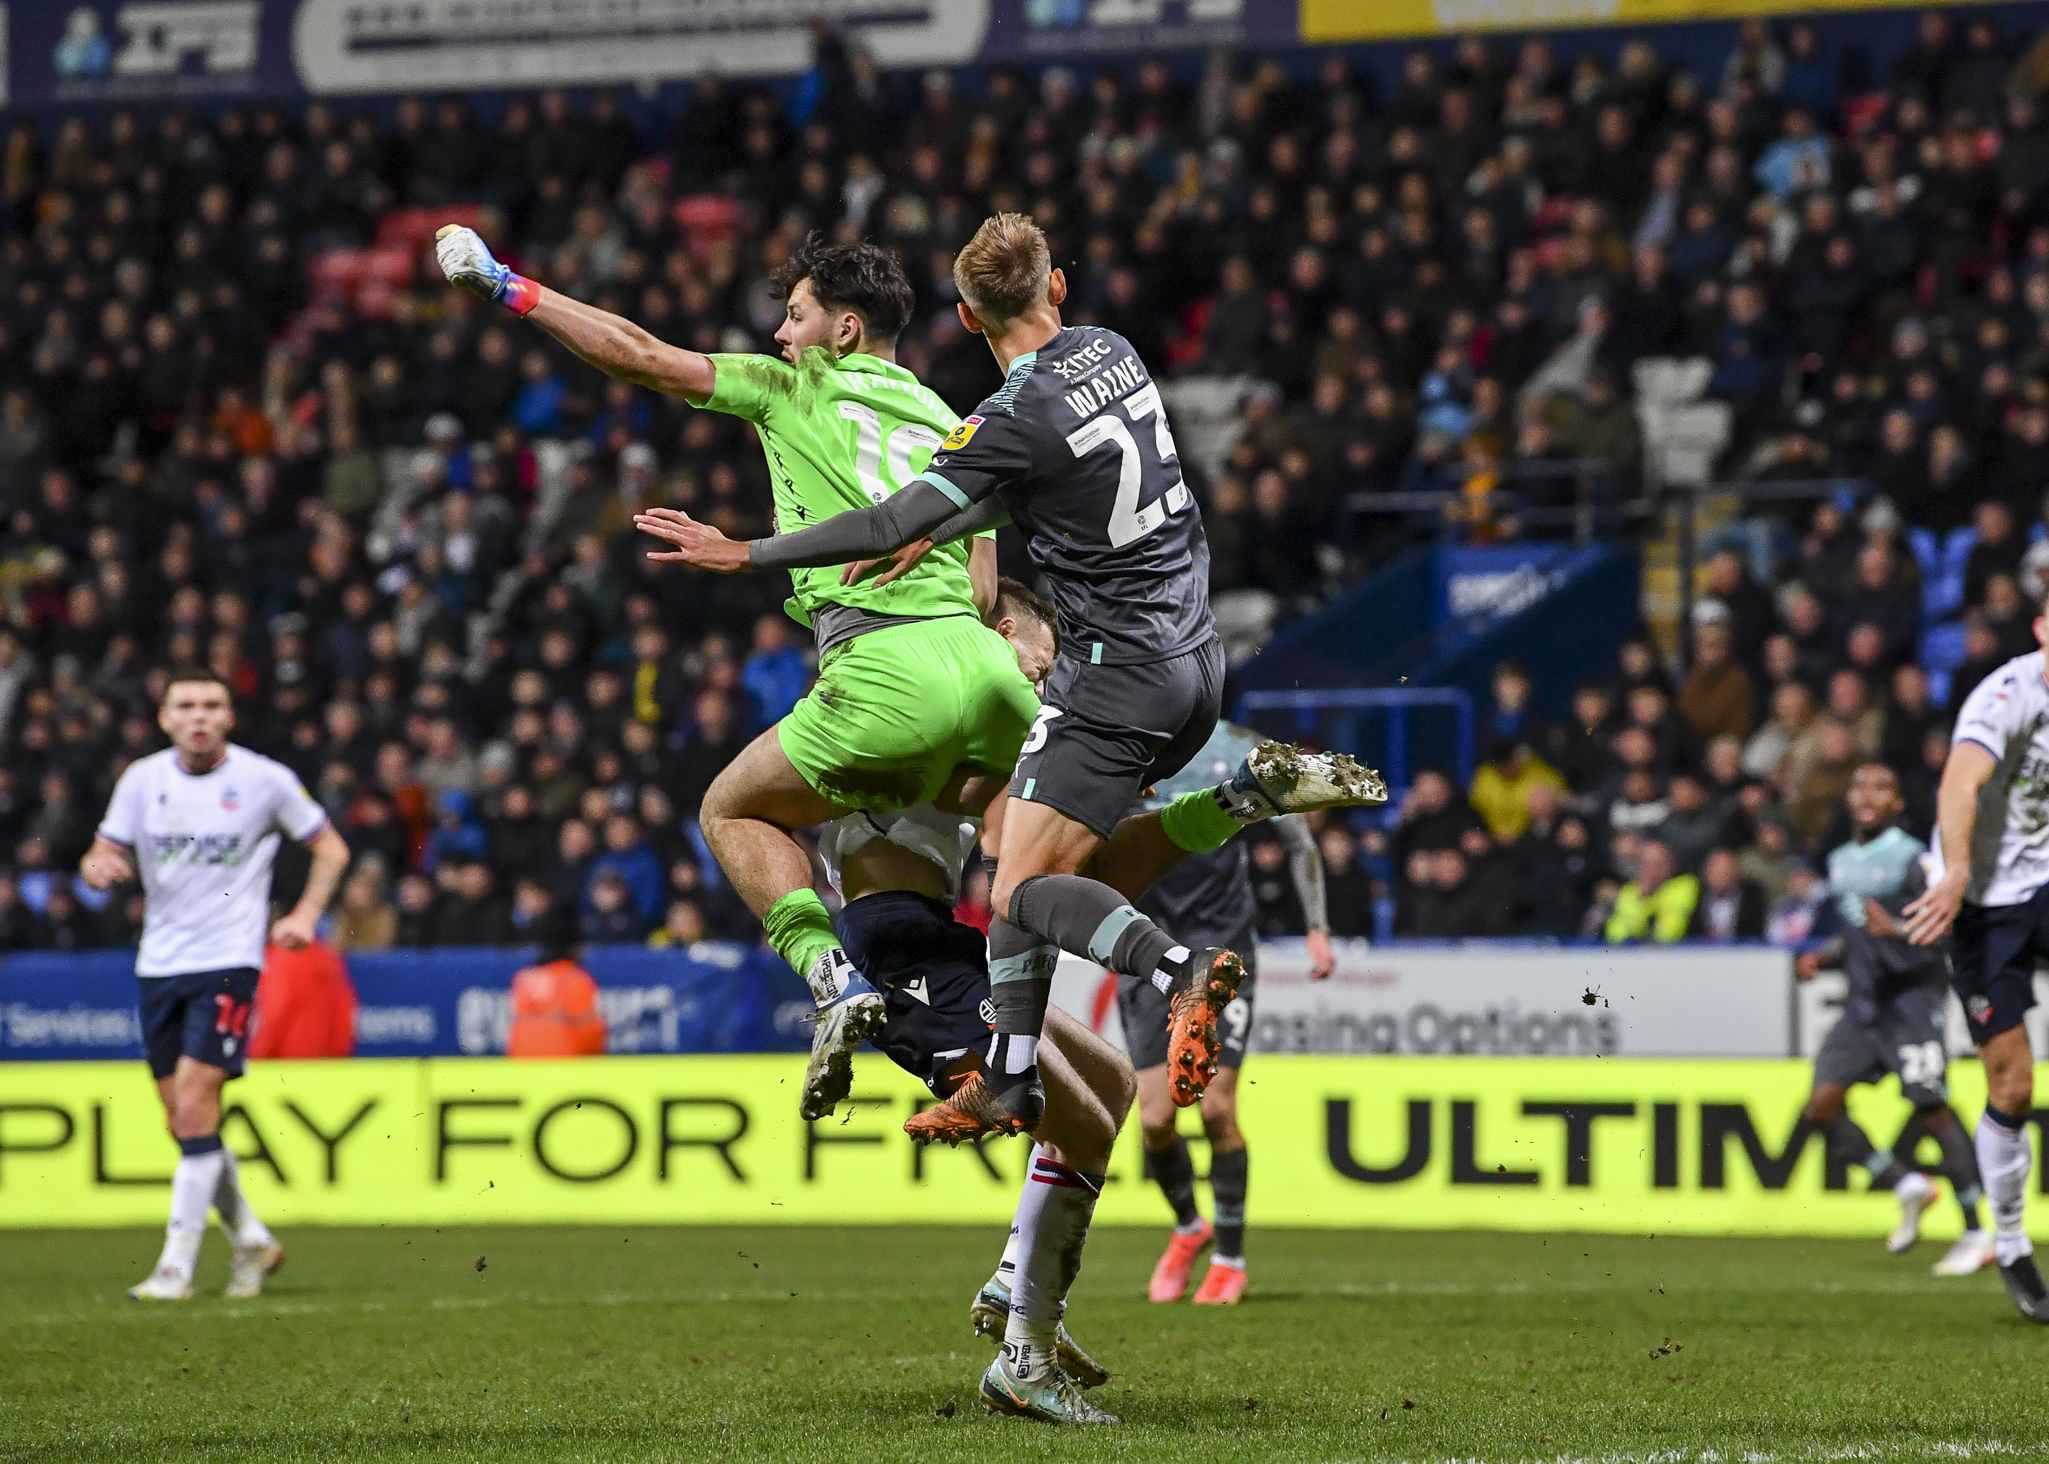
(613, 344)
(622, 350)
(864, 533)
(990, 513)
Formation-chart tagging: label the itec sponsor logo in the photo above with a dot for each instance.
(1083, 360)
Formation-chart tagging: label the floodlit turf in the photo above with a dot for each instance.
(609, 1344)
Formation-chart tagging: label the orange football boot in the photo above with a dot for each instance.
(1210, 985)
(976, 1111)
(1223, 1286)
(1170, 1276)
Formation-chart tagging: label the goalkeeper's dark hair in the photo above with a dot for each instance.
(1015, 601)
(864, 278)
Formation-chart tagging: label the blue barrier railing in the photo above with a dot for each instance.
(1348, 708)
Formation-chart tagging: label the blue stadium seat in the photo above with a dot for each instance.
(1942, 595)
(1957, 545)
(1938, 687)
(1942, 648)
(1923, 543)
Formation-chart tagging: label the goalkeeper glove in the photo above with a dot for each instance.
(467, 262)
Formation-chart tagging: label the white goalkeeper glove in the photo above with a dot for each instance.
(467, 261)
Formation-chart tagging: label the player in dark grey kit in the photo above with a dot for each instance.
(1076, 450)
(1892, 1020)
(1209, 897)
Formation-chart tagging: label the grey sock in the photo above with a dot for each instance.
(1228, 1173)
(1090, 919)
(1020, 984)
(1853, 1146)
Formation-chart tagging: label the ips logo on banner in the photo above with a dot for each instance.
(155, 48)
(1074, 13)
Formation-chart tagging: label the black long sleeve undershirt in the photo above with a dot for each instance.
(866, 533)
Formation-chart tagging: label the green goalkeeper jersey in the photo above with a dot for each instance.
(843, 433)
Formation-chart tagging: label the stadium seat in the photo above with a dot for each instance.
(1942, 651)
(708, 220)
(1942, 648)
(1926, 551)
(1957, 545)
(1942, 595)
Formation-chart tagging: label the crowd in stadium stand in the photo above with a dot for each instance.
(244, 424)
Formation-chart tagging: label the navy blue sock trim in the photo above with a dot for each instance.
(2012, 1123)
(204, 1144)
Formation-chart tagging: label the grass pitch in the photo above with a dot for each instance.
(610, 1344)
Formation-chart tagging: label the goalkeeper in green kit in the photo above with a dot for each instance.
(917, 701)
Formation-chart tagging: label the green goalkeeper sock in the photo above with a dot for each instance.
(1197, 822)
(800, 930)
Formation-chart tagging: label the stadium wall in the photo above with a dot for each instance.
(1649, 1147)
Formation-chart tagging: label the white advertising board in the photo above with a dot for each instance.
(1501, 1000)
(1819, 1003)
(344, 46)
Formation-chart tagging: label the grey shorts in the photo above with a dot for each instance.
(1142, 1008)
(1906, 1039)
(1106, 733)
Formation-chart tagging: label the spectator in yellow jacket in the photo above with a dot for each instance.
(1658, 904)
(1501, 789)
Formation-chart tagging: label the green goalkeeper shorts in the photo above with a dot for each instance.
(898, 709)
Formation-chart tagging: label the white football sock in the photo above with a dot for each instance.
(1012, 1052)
(1030, 1203)
(2004, 1162)
(238, 1217)
(181, 1251)
(1027, 1214)
(192, 1186)
(1065, 1204)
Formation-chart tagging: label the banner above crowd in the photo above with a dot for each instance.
(1327, 21)
(153, 51)
(161, 50)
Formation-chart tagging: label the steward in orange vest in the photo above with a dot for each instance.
(555, 1004)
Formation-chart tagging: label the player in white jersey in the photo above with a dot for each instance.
(201, 823)
(1992, 899)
